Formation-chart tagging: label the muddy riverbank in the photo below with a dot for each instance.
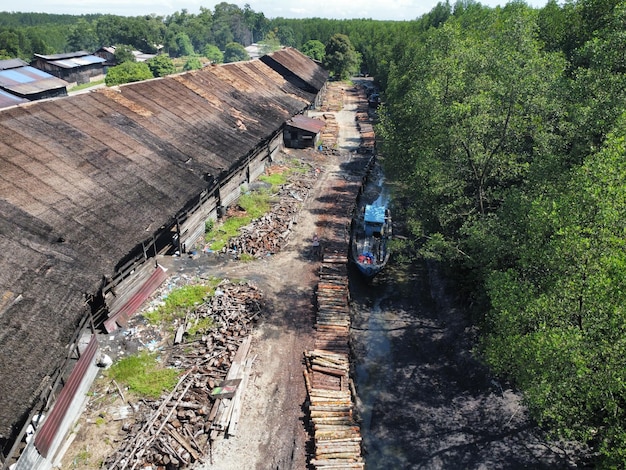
(426, 401)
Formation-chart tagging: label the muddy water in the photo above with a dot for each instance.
(425, 401)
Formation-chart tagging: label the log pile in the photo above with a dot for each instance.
(269, 234)
(336, 432)
(331, 394)
(330, 134)
(176, 430)
(333, 98)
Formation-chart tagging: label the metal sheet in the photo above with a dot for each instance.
(48, 431)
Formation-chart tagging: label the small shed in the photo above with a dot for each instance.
(73, 67)
(302, 132)
(108, 54)
(28, 83)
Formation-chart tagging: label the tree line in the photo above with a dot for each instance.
(504, 129)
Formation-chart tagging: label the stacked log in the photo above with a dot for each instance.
(330, 133)
(331, 394)
(176, 430)
(333, 98)
(335, 429)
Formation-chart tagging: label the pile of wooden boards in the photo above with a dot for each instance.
(176, 430)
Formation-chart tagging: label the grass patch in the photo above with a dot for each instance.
(275, 180)
(180, 300)
(246, 257)
(143, 375)
(203, 325)
(298, 166)
(84, 86)
(254, 205)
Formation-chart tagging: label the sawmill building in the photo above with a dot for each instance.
(93, 187)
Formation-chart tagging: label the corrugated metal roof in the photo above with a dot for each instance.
(28, 80)
(78, 61)
(65, 55)
(49, 428)
(87, 178)
(11, 64)
(288, 58)
(306, 123)
(7, 99)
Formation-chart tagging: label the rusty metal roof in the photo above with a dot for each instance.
(85, 179)
(306, 123)
(26, 80)
(288, 62)
(7, 99)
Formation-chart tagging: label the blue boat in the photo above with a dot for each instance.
(371, 232)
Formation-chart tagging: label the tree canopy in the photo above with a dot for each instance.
(340, 57)
(128, 72)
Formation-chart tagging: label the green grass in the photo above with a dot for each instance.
(275, 180)
(180, 300)
(203, 325)
(255, 204)
(84, 86)
(143, 375)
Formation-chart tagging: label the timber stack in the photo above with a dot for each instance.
(177, 430)
(331, 394)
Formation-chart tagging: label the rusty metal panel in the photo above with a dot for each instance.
(48, 431)
(121, 316)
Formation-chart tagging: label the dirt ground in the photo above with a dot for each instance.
(424, 400)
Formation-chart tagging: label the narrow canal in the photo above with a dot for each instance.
(425, 400)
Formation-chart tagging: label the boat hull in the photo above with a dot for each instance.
(369, 239)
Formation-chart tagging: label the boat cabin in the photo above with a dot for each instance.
(374, 220)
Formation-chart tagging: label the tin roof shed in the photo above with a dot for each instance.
(306, 123)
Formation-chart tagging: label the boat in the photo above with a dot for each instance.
(371, 232)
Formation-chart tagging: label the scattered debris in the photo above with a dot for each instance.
(177, 430)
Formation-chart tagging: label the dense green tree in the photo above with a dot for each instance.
(256, 22)
(222, 34)
(124, 53)
(213, 53)
(192, 63)
(314, 49)
(161, 65)
(9, 44)
(558, 324)
(340, 57)
(270, 43)
(180, 46)
(235, 52)
(466, 119)
(128, 72)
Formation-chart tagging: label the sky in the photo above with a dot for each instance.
(338, 9)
